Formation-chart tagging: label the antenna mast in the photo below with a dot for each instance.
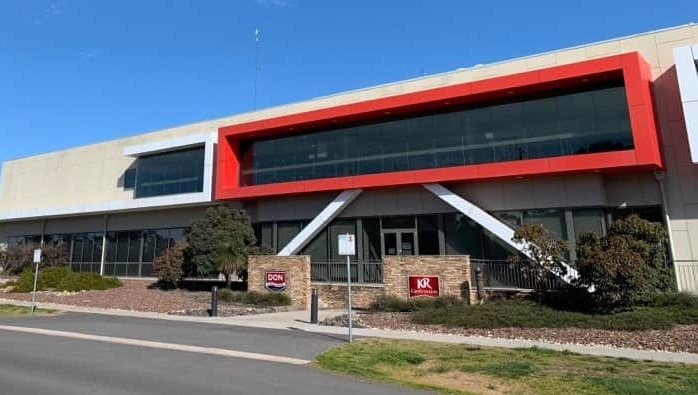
(256, 65)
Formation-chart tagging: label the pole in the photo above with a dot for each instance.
(36, 279)
(349, 298)
(313, 306)
(214, 301)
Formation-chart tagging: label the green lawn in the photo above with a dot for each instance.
(11, 310)
(463, 369)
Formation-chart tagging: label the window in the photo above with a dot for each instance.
(428, 234)
(170, 173)
(565, 124)
(588, 220)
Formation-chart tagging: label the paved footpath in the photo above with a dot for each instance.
(298, 321)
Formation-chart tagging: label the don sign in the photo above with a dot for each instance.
(275, 281)
(423, 286)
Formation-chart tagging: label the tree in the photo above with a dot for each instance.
(627, 266)
(169, 265)
(231, 258)
(219, 227)
(542, 251)
(17, 257)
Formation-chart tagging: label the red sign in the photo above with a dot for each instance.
(423, 286)
(275, 281)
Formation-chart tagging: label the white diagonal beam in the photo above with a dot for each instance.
(491, 223)
(320, 222)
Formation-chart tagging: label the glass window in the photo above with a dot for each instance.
(371, 239)
(588, 220)
(340, 227)
(318, 248)
(428, 234)
(398, 222)
(286, 231)
(553, 220)
(122, 240)
(651, 213)
(170, 173)
(463, 236)
(596, 120)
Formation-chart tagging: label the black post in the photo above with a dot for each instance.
(214, 301)
(480, 284)
(313, 306)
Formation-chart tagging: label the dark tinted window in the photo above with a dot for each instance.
(170, 173)
(567, 124)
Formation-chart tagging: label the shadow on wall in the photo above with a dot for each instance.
(682, 174)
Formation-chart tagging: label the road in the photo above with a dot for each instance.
(51, 363)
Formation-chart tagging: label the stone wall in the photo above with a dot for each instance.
(334, 295)
(453, 272)
(297, 270)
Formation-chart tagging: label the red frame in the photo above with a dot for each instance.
(634, 70)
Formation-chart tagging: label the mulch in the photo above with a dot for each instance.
(681, 338)
(134, 295)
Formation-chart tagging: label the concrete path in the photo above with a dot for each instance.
(298, 321)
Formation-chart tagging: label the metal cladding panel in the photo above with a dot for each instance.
(635, 71)
(686, 59)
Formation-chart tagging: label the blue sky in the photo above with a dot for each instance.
(74, 72)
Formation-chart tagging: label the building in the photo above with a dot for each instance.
(439, 165)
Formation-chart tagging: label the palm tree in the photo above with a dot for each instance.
(231, 257)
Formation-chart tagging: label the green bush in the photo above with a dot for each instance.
(528, 314)
(261, 299)
(61, 278)
(392, 303)
(627, 266)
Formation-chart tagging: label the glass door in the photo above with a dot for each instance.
(399, 242)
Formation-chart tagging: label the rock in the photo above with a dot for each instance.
(343, 320)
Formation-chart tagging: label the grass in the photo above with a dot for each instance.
(664, 312)
(463, 369)
(11, 310)
(260, 299)
(61, 278)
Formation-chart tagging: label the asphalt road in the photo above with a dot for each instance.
(42, 364)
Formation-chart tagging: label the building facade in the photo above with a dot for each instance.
(446, 164)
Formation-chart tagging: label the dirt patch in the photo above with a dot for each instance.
(682, 338)
(470, 382)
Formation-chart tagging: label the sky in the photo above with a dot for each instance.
(74, 72)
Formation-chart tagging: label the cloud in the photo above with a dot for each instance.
(274, 3)
(55, 8)
(89, 53)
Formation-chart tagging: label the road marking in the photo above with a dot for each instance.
(163, 346)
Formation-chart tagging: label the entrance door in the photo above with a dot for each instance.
(399, 242)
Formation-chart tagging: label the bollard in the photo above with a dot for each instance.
(313, 306)
(214, 301)
(480, 284)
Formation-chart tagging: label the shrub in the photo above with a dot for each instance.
(169, 266)
(61, 278)
(262, 299)
(18, 257)
(220, 226)
(543, 251)
(392, 303)
(626, 266)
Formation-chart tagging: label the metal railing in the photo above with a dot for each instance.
(502, 274)
(335, 271)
